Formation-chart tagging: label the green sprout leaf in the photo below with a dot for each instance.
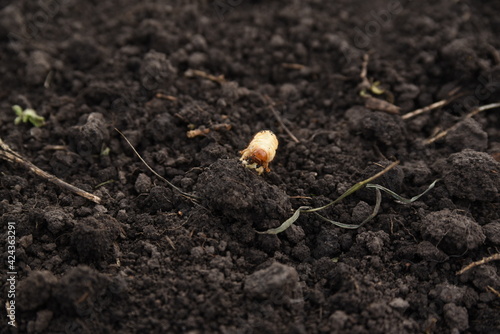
(376, 89)
(307, 209)
(287, 223)
(19, 112)
(105, 151)
(367, 219)
(28, 115)
(400, 199)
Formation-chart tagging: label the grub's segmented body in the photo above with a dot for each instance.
(260, 152)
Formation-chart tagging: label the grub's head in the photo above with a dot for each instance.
(258, 156)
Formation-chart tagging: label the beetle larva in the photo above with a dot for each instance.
(260, 152)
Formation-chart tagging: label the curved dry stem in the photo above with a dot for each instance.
(154, 172)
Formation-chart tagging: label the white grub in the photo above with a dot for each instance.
(260, 152)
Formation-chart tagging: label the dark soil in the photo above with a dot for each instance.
(150, 260)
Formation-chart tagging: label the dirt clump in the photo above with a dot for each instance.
(471, 175)
(242, 195)
(277, 278)
(452, 232)
(467, 135)
(93, 237)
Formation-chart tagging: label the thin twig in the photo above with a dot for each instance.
(374, 103)
(165, 97)
(426, 109)
(430, 107)
(491, 289)
(485, 107)
(480, 262)
(474, 112)
(280, 121)
(215, 78)
(202, 130)
(293, 66)
(300, 197)
(7, 154)
(190, 196)
(171, 243)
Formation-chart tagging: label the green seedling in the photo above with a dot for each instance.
(105, 151)
(376, 89)
(385, 104)
(28, 115)
(366, 183)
